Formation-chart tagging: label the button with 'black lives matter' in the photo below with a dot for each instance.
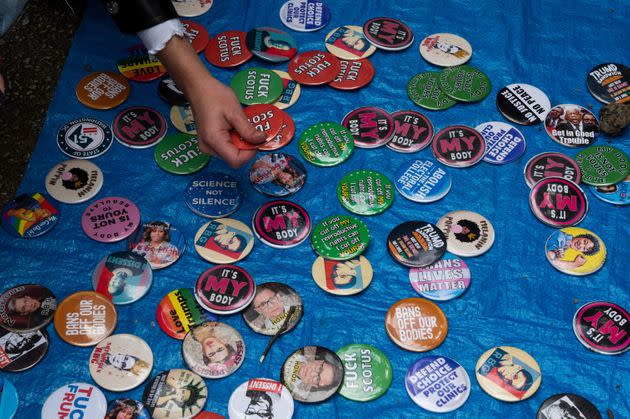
(353, 75)
(121, 362)
(110, 219)
(29, 215)
(445, 49)
(277, 174)
(85, 318)
(371, 127)
(224, 241)
(123, 277)
(22, 351)
(272, 304)
(139, 65)
(84, 398)
(103, 90)
(603, 165)
(558, 202)
(271, 44)
(438, 384)
(314, 68)
(178, 312)
(388, 33)
(367, 372)
(84, 138)
(179, 154)
(416, 324)
(225, 289)
(561, 405)
(416, 243)
(443, 280)
(412, 132)
(571, 125)
(459, 146)
(523, 104)
(261, 397)
(550, 164)
(575, 251)
(26, 308)
(504, 143)
(74, 181)
(422, 181)
(603, 327)
(326, 144)
(256, 85)
(340, 237)
(424, 90)
(305, 15)
(342, 277)
(186, 391)
(608, 82)
(159, 242)
(228, 49)
(139, 127)
(365, 192)
(213, 350)
(213, 195)
(312, 374)
(467, 233)
(282, 224)
(465, 83)
(349, 43)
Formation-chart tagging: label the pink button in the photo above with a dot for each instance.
(110, 219)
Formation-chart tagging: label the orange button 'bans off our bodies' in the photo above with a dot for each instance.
(416, 324)
(85, 318)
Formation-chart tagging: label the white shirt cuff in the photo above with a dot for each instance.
(156, 37)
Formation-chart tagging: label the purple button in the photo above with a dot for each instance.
(110, 219)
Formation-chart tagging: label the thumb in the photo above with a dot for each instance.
(246, 130)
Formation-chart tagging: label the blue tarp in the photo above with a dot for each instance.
(516, 298)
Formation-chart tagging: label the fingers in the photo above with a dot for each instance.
(222, 147)
(239, 121)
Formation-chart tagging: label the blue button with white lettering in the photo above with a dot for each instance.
(213, 195)
(304, 15)
(423, 181)
(504, 143)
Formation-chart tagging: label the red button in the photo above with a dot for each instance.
(353, 75)
(314, 68)
(285, 135)
(196, 34)
(265, 118)
(228, 49)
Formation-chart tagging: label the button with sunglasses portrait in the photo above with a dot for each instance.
(224, 241)
(213, 349)
(25, 308)
(22, 351)
(261, 398)
(270, 308)
(312, 374)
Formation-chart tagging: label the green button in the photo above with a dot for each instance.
(465, 83)
(365, 192)
(257, 86)
(424, 90)
(326, 144)
(368, 373)
(602, 165)
(179, 154)
(340, 237)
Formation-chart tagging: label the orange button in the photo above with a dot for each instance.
(416, 324)
(102, 90)
(85, 318)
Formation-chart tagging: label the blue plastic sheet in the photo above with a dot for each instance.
(517, 298)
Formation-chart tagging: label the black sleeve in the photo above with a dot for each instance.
(132, 16)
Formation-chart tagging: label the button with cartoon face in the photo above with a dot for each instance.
(416, 324)
(312, 374)
(159, 242)
(467, 233)
(603, 327)
(262, 398)
(29, 215)
(342, 277)
(269, 309)
(121, 362)
(123, 277)
(213, 350)
(566, 405)
(26, 308)
(224, 241)
(438, 384)
(575, 251)
(175, 393)
(571, 125)
(445, 49)
(74, 181)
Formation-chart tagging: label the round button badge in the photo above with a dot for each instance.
(558, 202)
(169, 92)
(508, 374)
(110, 219)
(424, 90)
(224, 241)
(134, 407)
(225, 289)
(9, 398)
(566, 403)
(353, 75)
(603, 327)
(139, 65)
(270, 309)
(618, 194)
(186, 390)
(277, 174)
(228, 49)
(504, 143)
(285, 135)
(183, 119)
(121, 362)
(340, 237)
(416, 324)
(291, 92)
(179, 154)
(465, 83)
(196, 34)
(139, 127)
(349, 43)
(213, 350)
(123, 277)
(416, 244)
(367, 372)
(342, 277)
(365, 192)
(305, 15)
(192, 8)
(74, 181)
(257, 86)
(281, 224)
(29, 215)
(443, 280)
(370, 127)
(314, 68)
(459, 146)
(26, 308)
(266, 397)
(22, 351)
(467, 233)
(271, 44)
(265, 118)
(388, 33)
(299, 374)
(84, 138)
(326, 144)
(213, 195)
(422, 181)
(608, 82)
(575, 251)
(412, 132)
(179, 311)
(445, 49)
(159, 242)
(603, 165)
(523, 104)
(548, 164)
(102, 90)
(571, 125)
(85, 398)
(438, 384)
(85, 318)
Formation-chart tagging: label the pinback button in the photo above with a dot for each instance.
(365, 192)
(602, 165)
(445, 49)
(603, 327)
(504, 143)
(608, 82)
(523, 104)
(476, 88)
(314, 68)
(213, 195)
(121, 362)
(353, 75)
(110, 219)
(89, 400)
(467, 233)
(340, 237)
(416, 324)
(196, 34)
(437, 372)
(85, 318)
(459, 146)
(29, 215)
(183, 119)
(549, 164)
(422, 181)
(228, 49)
(571, 125)
(271, 44)
(37, 303)
(192, 8)
(368, 372)
(256, 85)
(178, 312)
(277, 174)
(388, 33)
(23, 350)
(443, 280)
(127, 405)
(558, 202)
(9, 399)
(349, 43)
(265, 118)
(575, 251)
(416, 244)
(412, 132)
(179, 154)
(159, 242)
(224, 241)
(122, 277)
(74, 181)
(169, 92)
(139, 127)
(209, 415)
(281, 224)
(305, 15)
(326, 144)
(566, 402)
(270, 308)
(186, 390)
(285, 135)
(424, 90)
(213, 350)
(618, 194)
(84, 138)
(342, 277)
(508, 374)
(299, 367)
(370, 127)
(139, 65)
(230, 299)
(291, 92)
(102, 90)
(271, 393)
